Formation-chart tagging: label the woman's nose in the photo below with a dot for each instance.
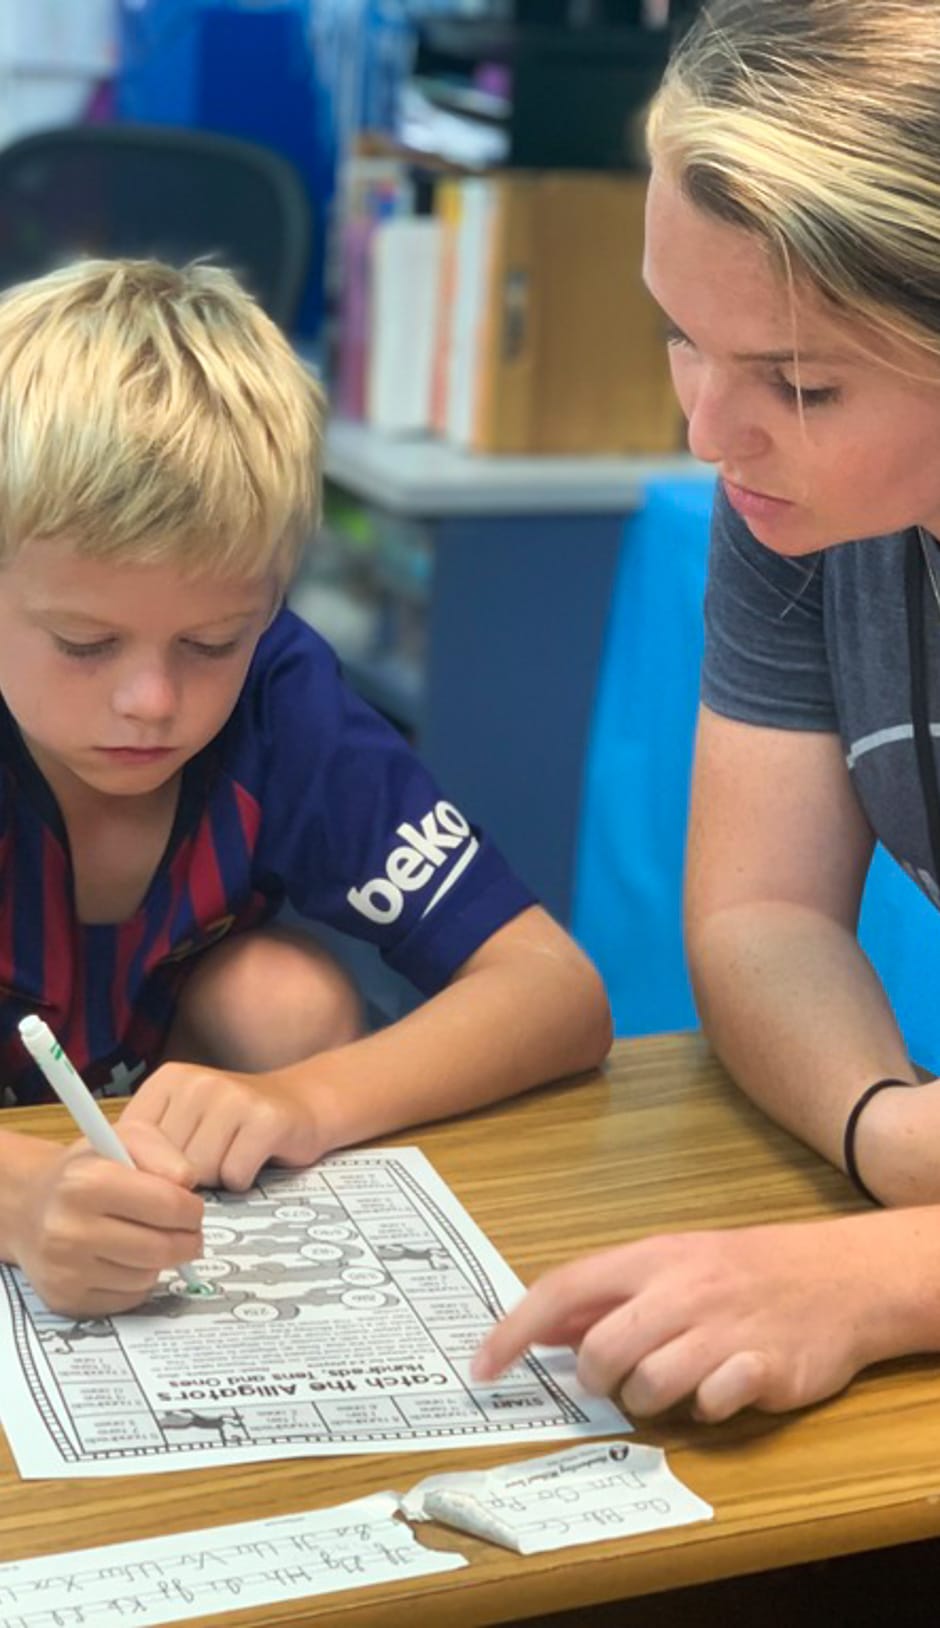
(722, 428)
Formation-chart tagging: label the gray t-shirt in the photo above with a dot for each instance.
(820, 643)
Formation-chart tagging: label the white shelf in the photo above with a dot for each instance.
(427, 477)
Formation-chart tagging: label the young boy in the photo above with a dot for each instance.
(179, 757)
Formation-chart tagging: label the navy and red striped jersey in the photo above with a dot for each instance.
(306, 797)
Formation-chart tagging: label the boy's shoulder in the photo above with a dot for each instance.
(296, 710)
(291, 645)
(293, 666)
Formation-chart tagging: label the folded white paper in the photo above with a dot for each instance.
(612, 1490)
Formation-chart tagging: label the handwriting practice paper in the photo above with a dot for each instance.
(350, 1299)
(225, 1568)
(610, 1490)
(604, 1490)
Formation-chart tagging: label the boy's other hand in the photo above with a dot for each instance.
(227, 1124)
(771, 1317)
(94, 1235)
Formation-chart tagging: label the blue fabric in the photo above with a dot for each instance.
(628, 882)
(900, 930)
(628, 885)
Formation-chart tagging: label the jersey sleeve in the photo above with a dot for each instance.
(355, 831)
(765, 659)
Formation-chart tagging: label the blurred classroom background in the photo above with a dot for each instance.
(441, 202)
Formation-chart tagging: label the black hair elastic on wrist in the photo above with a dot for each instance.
(851, 1125)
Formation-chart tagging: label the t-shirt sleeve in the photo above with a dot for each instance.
(765, 656)
(357, 833)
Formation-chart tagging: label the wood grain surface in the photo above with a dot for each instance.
(659, 1141)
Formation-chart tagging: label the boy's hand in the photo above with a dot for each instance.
(93, 1235)
(771, 1317)
(228, 1125)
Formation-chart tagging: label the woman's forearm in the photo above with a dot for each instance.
(797, 1014)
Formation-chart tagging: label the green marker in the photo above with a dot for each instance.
(74, 1095)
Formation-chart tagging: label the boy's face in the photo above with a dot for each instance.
(115, 674)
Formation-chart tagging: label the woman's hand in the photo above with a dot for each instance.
(772, 1317)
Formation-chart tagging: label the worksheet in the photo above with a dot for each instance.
(346, 1303)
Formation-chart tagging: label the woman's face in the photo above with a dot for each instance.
(865, 458)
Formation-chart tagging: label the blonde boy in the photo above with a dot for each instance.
(179, 757)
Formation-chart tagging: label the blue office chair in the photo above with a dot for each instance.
(142, 190)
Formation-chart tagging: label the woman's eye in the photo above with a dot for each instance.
(809, 398)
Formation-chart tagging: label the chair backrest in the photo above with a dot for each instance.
(145, 190)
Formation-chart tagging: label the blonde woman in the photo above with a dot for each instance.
(793, 243)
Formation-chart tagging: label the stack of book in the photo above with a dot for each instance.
(511, 319)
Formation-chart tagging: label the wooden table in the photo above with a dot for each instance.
(659, 1141)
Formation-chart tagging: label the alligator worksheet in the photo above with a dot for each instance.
(347, 1302)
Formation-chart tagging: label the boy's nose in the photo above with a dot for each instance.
(148, 694)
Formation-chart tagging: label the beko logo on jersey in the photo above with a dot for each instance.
(425, 848)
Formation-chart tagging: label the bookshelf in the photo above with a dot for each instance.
(467, 598)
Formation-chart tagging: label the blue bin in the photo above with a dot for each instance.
(243, 71)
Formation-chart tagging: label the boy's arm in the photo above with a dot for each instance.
(23, 1163)
(526, 1007)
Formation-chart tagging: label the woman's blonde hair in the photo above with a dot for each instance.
(815, 124)
(149, 414)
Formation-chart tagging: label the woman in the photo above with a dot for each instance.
(793, 241)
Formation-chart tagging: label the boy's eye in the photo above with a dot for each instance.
(215, 652)
(81, 652)
(103, 647)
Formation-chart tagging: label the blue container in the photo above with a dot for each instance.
(244, 71)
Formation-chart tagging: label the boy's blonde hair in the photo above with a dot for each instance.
(152, 415)
(815, 124)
